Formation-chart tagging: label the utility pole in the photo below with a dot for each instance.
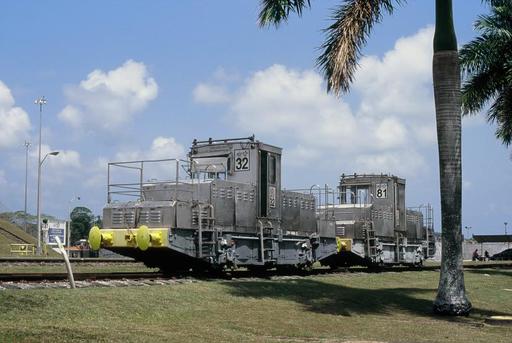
(41, 102)
(27, 146)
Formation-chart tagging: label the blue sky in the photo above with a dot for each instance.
(133, 79)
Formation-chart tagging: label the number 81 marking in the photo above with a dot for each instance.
(382, 191)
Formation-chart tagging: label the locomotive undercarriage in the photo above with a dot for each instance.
(216, 250)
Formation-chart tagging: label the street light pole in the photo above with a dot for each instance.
(27, 146)
(41, 101)
(53, 153)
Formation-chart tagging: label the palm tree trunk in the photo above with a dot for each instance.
(451, 294)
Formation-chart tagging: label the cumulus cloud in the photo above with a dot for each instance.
(107, 100)
(400, 84)
(383, 131)
(210, 94)
(14, 121)
(161, 148)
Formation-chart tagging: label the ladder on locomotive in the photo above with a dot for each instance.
(266, 236)
(371, 240)
(206, 234)
(400, 246)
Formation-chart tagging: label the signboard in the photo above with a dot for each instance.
(272, 197)
(54, 229)
(242, 161)
(382, 191)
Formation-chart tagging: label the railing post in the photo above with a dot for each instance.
(66, 260)
(141, 179)
(108, 184)
(262, 245)
(200, 232)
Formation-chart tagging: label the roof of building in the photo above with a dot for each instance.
(492, 238)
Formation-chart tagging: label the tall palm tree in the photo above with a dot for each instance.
(486, 64)
(352, 23)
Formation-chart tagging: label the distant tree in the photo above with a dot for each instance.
(486, 64)
(98, 222)
(82, 220)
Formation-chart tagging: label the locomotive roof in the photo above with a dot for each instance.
(365, 178)
(217, 144)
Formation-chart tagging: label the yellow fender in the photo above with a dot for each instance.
(143, 238)
(95, 238)
(343, 244)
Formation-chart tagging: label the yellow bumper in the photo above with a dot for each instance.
(141, 238)
(343, 244)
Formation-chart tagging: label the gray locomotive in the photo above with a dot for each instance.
(224, 207)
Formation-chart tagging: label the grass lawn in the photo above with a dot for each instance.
(387, 307)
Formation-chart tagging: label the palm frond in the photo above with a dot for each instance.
(479, 90)
(486, 64)
(353, 22)
(276, 11)
(482, 52)
(501, 113)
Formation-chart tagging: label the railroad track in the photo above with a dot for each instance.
(236, 274)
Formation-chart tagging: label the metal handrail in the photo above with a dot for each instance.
(135, 189)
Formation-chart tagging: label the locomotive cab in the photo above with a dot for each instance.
(373, 222)
(242, 161)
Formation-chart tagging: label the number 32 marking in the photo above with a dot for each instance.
(242, 163)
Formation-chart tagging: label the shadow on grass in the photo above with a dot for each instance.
(321, 297)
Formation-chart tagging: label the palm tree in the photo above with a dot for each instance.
(352, 23)
(486, 64)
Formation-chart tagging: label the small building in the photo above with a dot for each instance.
(493, 244)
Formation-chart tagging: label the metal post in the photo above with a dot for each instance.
(262, 245)
(27, 146)
(108, 184)
(141, 179)
(176, 193)
(41, 101)
(200, 231)
(66, 260)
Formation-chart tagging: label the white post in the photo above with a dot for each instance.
(41, 101)
(66, 260)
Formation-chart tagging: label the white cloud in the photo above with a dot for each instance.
(210, 94)
(400, 85)
(161, 148)
(384, 132)
(107, 100)
(14, 121)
